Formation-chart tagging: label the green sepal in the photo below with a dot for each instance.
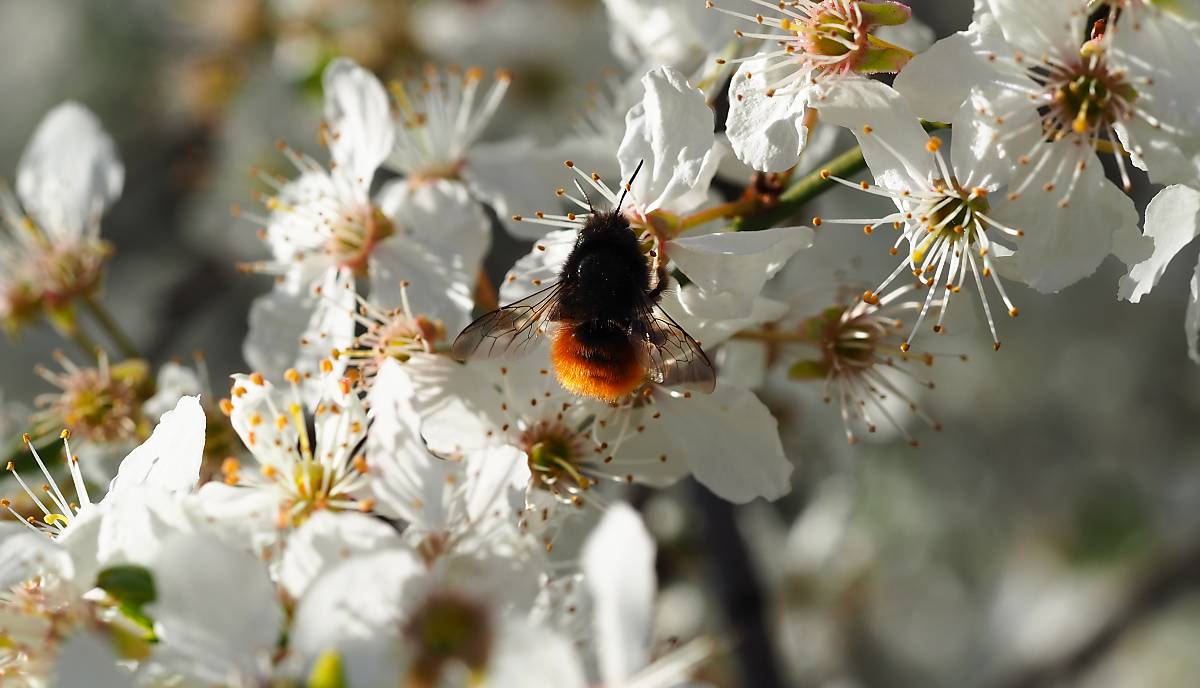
(806, 370)
(133, 588)
(327, 671)
(884, 13)
(882, 57)
(63, 317)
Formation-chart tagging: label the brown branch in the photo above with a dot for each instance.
(1172, 579)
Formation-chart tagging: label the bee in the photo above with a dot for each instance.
(609, 336)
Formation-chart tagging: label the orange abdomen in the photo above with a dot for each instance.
(606, 370)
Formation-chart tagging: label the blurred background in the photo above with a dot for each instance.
(1047, 536)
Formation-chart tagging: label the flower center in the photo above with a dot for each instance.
(832, 33)
(101, 404)
(447, 628)
(73, 270)
(949, 217)
(356, 235)
(1087, 98)
(554, 453)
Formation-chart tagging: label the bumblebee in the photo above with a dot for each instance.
(609, 336)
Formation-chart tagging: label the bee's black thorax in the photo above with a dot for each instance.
(607, 277)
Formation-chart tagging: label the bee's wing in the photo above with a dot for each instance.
(672, 357)
(510, 331)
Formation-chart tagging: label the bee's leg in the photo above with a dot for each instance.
(660, 283)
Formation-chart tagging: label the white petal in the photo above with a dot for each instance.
(69, 173)
(677, 33)
(137, 523)
(683, 304)
(25, 554)
(327, 539)
(1191, 321)
(895, 148)
(85, 659)
(520, 646)
(357, 609)
(938, 81)
(731, 441)
(1063, 245)
(1173, 220)
(540, 267)
(358, 112)
(173, 382)
(670, 132)
(170, 459)
(442, 216)
(519, 176)
(407, 481)
(299, 330)
(766, 132)
(1038, 27)
(215, 613)
(732, 267)
(458, 403)
(241, 516)
(1158, 54)
(438, 286)
(618, 567)
(254, 404)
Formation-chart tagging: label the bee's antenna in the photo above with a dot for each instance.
(586, 197)
(629, 184)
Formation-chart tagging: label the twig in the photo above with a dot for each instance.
(737, 586)
(1172, 579)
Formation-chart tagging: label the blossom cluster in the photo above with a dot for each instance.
(376, 503)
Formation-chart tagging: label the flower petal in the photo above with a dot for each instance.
(669, 133)
(766, 132)
(325, 540)
(69, 173)
(519, 176)
(357, 609)
(1063, 245)
(732, 267)
(1038, 27)
(1158, 55)
(438, 286)
(298, 330)
(359, 116)
(1173, 220)
(731, 441)
(891, 136)
(170, 459)
(540, 267)
(520, 646)
(85, 659)
(442, 216)
(618, 567)
(407, 480)
(1191, 321)
(215, 612)
(25, 554)
(938, 81)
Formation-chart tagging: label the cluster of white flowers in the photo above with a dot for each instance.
(364, 509)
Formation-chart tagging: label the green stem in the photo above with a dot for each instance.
(109, 323)
(812, 185)
(86, 343)
(804, 190)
